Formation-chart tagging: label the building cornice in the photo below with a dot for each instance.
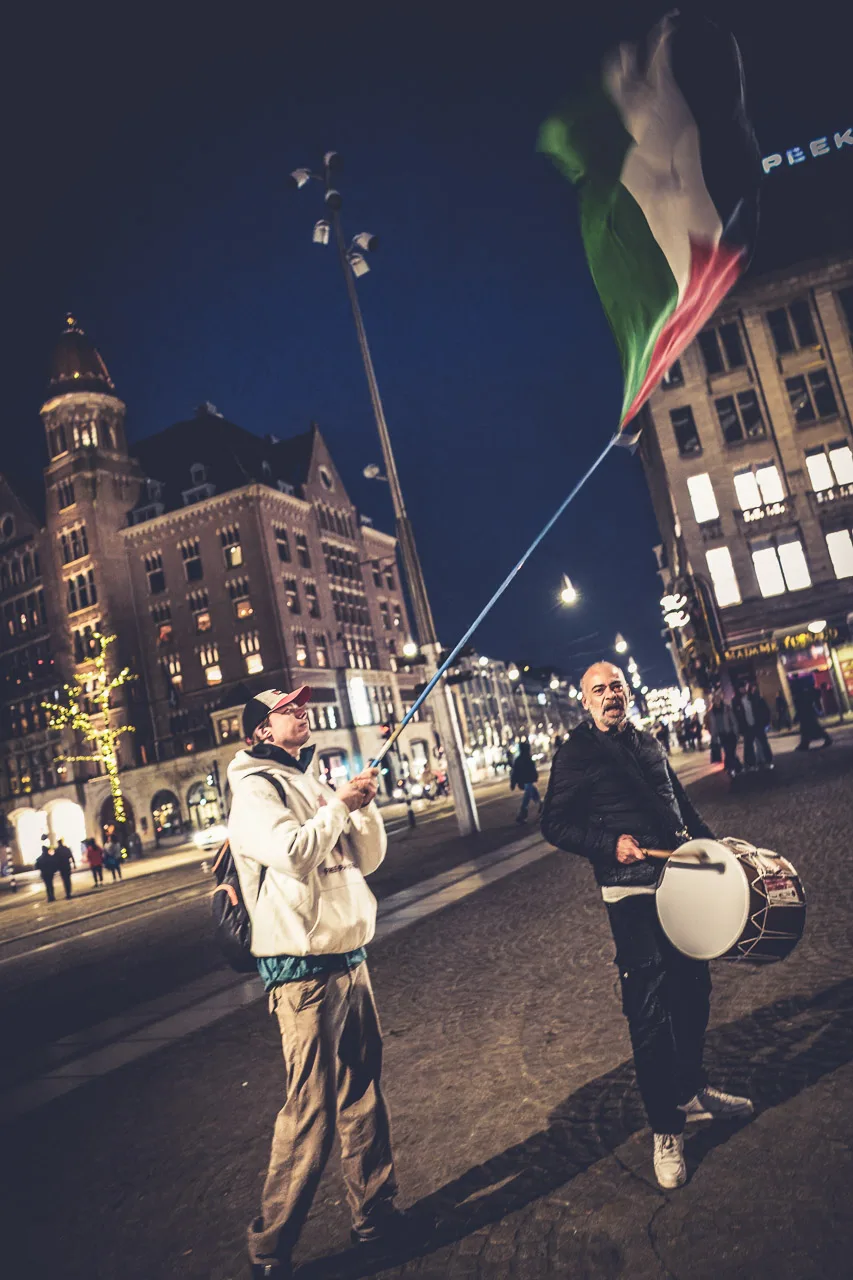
(219, 501)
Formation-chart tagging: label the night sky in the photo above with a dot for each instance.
(146, 164)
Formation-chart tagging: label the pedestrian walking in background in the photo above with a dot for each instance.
(134, 845)
(753, 717)
(524, 775)
(662, 735)
(112, 858)
(805, 714)
(95, 859)
(721, 723)
(783, 715)
(45, 865)
(64, 859)
(302, 850)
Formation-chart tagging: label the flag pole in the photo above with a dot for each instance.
(454, 653)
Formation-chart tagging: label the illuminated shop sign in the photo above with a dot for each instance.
(816, 148)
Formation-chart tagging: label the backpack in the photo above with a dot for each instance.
(232, 927)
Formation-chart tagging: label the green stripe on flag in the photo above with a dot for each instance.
(588, 142)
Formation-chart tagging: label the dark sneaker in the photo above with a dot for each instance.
(391, 1227)
(271, 1271)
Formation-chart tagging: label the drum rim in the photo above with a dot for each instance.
(716, 848)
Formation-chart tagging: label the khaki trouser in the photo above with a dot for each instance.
(332, 1047)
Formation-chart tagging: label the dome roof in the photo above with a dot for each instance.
(76, 364)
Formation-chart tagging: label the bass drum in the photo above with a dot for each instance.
(731, 901)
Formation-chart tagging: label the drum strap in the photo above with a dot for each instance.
(632, 773)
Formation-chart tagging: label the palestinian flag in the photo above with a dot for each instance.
(667, 171)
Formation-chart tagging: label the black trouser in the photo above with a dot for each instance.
(98, 875)
(666, 999)
(65, 877)
(48, 884)
(728, 741)
(752, 739)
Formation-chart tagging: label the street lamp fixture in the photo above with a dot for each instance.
(483, 660)
(353, 265)
(513, 672)
(620, 644)
(554, 683)
(410, 649)
(632, 667)
(372, 472)
(568, 593)
(636, 681)
(817, 626)
(322, 231)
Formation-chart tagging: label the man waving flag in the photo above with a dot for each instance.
(667, 171)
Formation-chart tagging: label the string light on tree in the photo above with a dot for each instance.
(94, 690)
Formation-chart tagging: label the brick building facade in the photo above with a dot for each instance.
(224, 563)
(748, 451)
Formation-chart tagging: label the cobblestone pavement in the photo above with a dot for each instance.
(516, 1120)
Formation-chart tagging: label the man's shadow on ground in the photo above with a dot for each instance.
(771, 1055)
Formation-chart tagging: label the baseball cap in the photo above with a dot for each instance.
(258, 708)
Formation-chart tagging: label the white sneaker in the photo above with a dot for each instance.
(670, 1169)
(713, 1104)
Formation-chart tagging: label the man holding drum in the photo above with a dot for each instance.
(612, 798)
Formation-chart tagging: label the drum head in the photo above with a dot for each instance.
(703, 899)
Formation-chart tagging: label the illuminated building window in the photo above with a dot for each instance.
(792, 327)
(758, 486)
(321, 650)
(191, 556)
(310, 590)
(300, 648)
(229, 728)
(238, 590)
(171, 664)
(65, 494)
(282, 543)
(291, 595)
(722, 348)
(722, 571)
(85, 435)
(830, 466)
(200, 606)
(740, 417)
(398, 617)
(780, 566)
(701, 493)
(231, 548)
(840, 548)
(250, 647)
(684, 428)
(811, 397)
(208, 656)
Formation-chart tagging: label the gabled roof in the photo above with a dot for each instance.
(231, 457)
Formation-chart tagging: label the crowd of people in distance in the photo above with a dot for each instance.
(745, 721)
(60, 861)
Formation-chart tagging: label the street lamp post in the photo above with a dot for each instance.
(352, 263)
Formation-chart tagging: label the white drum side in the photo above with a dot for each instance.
(703, 907)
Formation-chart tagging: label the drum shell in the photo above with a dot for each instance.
(772, 929)
(762, 922)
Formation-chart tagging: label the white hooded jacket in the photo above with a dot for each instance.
(313, 899)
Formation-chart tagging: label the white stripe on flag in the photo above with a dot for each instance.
(663, 169)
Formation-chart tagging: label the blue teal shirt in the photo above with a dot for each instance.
(276, 970)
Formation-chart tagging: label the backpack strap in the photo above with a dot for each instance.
(282, 795)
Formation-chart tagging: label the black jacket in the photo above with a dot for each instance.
(603, 786)
(760, 712)
(523, 771)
